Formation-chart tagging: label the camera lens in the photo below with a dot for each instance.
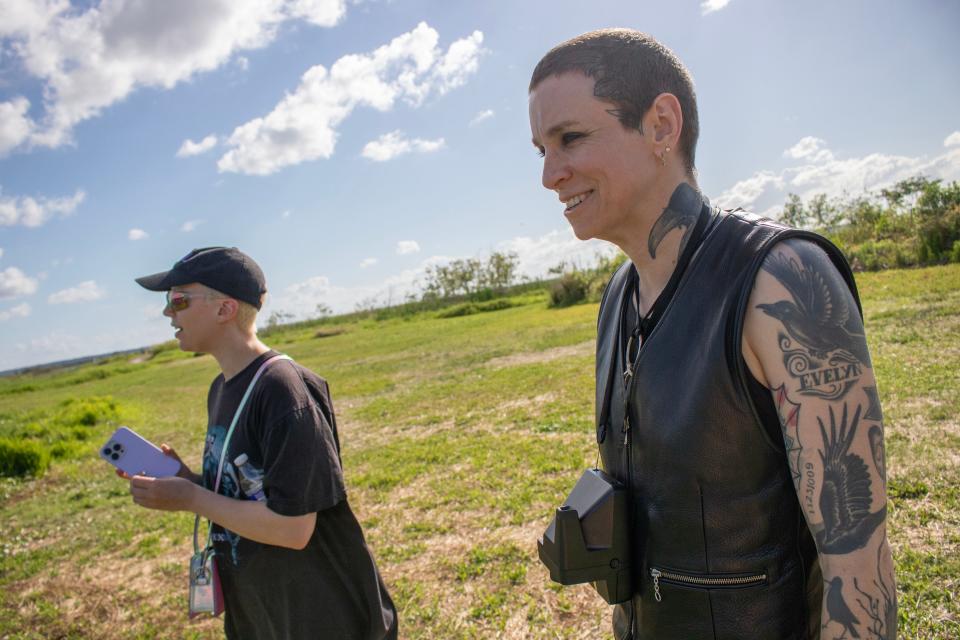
(106, 451)
(116, 446)
(115, 456)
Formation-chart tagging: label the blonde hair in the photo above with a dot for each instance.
(246, 313)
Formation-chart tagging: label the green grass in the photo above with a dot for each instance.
(460, 435)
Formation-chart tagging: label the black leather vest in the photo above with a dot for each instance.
(721, 547)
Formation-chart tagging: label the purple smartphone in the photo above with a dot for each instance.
(135, 455)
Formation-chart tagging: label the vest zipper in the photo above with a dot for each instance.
(702, 581)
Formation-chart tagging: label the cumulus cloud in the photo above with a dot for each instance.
(809, 148)
(15, 125)
(407, 246)
(92, 56)
(190, 225)
(86, 291)
(191, 148)
(137, 234)
(14, 282)
(709, 6)
(33, 212)
(393, 144)
(367, 262)
(303, 126)
(20, 311)
(819, 170)
(486, 114)
(535, 256)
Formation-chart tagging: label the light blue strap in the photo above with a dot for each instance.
(226, 442)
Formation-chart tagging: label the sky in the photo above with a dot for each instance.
(347, 145)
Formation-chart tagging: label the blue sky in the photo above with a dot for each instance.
(348, 144)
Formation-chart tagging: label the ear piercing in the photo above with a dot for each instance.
(663, 156)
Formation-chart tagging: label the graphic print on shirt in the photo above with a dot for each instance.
(213, 448)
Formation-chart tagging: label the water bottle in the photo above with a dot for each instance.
(251, 478)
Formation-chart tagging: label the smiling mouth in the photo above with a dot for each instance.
(575, 201)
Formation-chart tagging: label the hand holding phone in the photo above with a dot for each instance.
(133, 454)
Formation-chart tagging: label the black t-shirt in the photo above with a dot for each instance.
(287, 432)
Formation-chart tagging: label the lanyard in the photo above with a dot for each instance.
(226, 443)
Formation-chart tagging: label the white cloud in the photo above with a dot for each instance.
(190, 225)
(486, 114)
(407, 246)
(137, 234)
(243, 62)
(20, 311)
(303, 126)
(820, 171)
(393, 144)
(91, 57)
(14, 282)
(191, 148)
(86, 291)
(15, 125)
(33, 212)
(285, 214)
(809, 148)
(709, 6)
(367, 262)
(537, 255)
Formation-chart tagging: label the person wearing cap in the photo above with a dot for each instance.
(291, 556)
(736, 398)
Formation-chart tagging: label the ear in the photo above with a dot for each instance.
(227, 310)
(664, 121)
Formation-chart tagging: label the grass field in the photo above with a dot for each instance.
(460, 435)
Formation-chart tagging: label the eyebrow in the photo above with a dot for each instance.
(555, 129)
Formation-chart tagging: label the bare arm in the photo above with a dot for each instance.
(248, 518)
(804, 339)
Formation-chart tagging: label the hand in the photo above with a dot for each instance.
(170, 452)
(166, 494)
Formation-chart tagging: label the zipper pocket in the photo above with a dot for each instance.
(702, 581)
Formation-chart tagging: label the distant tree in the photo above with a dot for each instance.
(793, 213)
(323, 310)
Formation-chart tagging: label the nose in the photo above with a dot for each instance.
(555, 170)
(167, 311)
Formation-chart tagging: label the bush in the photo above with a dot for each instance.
(19, 459)
(469, 308)
(570, 289)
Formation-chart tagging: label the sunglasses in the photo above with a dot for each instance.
(178, 301)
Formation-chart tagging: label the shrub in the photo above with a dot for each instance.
(570, 289)
(469, 308)
(19, 459)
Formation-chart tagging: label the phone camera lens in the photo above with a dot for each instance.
(116, 446)
(106, 451)
(114, 456)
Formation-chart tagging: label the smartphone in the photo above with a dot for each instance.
(135, 455)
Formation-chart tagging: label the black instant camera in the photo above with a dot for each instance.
(588, 539)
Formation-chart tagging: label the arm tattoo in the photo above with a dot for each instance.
(824, 345)
(877, 451)
(880, 608)
(873, 409)
(846, 494)
(838, 610)
(803, 475)
(684, 216)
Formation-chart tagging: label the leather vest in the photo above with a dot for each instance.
(721, 547)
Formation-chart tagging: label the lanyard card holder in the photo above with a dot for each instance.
(206, 594)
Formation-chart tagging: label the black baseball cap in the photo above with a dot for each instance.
(226, 269)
